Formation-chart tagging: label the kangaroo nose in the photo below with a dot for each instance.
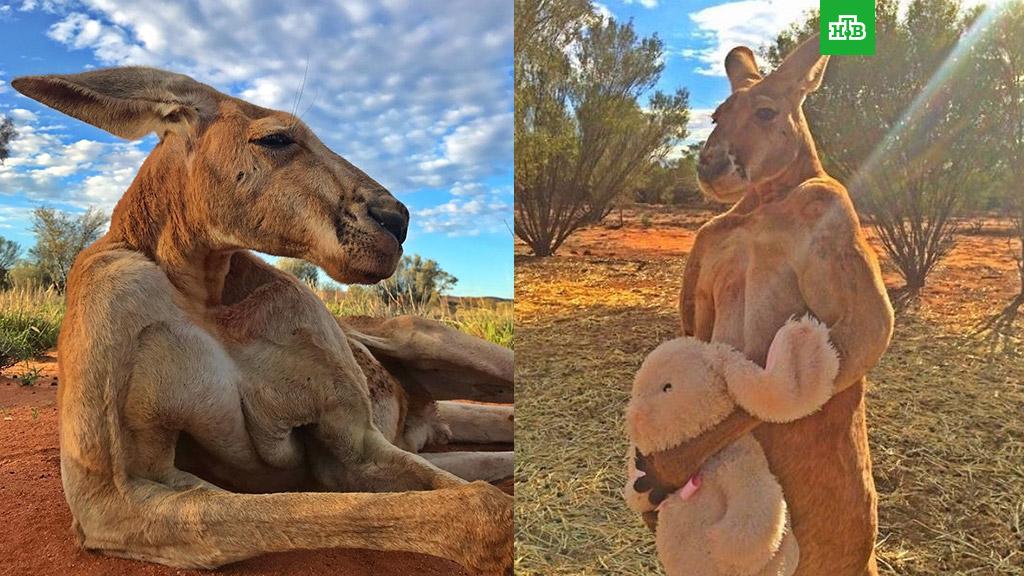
(393, 218)
(712, 164)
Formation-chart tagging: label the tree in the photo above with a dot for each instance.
(581, 132)
(300, 269)
(9, 253)
(416, 282)
(672, 181)
(60, 237)
(1001, 56)
(7, 133)
(903, 140)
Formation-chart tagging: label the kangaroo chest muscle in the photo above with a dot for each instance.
(748, 289)
(242, 397)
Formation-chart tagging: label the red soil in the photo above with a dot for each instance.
(980, 269)
(35, 523)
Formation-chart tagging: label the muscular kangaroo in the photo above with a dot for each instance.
(181, 349)
(790, 245)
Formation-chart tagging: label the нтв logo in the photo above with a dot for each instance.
(847, 27)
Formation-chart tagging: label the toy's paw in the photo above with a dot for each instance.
(804, 344)
(639, 484)
(800, 374)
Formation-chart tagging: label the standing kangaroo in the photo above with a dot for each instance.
(790, 245)
(181, 349)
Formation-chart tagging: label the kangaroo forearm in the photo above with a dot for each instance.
(672, 469)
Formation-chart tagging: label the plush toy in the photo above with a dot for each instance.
(731, 517)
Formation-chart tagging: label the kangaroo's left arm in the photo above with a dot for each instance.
(840, 281)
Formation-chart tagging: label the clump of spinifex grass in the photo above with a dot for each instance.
(29, 323)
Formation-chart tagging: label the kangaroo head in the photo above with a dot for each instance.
(760, 130)
(239, 175)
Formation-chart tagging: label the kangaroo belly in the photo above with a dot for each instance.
(824, 467)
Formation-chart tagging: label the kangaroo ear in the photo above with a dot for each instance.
(804, 68)
(741, 68)
(127, 102)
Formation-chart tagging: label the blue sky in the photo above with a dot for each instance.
(418, 94)
(698, 35)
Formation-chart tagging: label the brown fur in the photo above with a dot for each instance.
(792, 244)
(181, 348)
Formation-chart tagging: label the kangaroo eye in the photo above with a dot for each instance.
(666, 387)
(274, 141)
(766, 114)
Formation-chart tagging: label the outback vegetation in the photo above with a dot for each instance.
(927, 134)
(582, 133)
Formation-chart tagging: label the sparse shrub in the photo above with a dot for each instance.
(28, 276)
(300, 269)
(9, 252)
(416, 283)
(60, 236)
(28, 378)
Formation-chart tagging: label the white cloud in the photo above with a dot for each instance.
(473, 209)
(700, 126)
(602, 10)
(645, 3)
(14, 217)
(751, 23)
(42, 164)
(22, 115)
(416, 94)
(112, 178)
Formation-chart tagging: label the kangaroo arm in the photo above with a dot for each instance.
(670, 470)
(688, 293)
(841, 284)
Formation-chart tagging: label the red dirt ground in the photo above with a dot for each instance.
(978, 271)
(35, 523)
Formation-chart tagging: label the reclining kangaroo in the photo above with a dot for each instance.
(791, 244)
(181, 349)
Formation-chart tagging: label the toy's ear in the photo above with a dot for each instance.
(128, 102)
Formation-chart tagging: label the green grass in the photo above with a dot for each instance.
(29, 324)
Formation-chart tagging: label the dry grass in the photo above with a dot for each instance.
(946, 414)
(29, 322)
(487, 318)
